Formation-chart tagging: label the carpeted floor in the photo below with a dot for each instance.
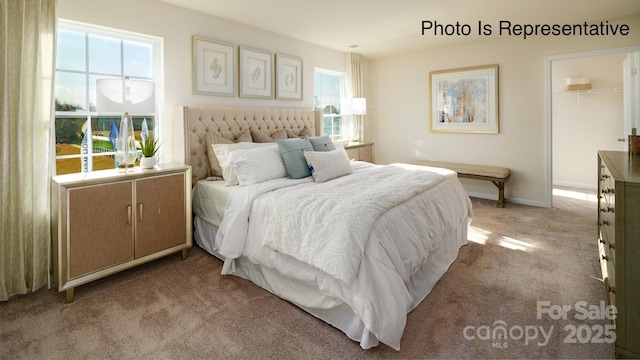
(172, 309)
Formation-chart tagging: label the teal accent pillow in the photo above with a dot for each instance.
(292, 151)
(322, 143)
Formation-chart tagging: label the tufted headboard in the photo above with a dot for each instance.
(192, 124)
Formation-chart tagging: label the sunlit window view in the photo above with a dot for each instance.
(84, 138)
(328, 87)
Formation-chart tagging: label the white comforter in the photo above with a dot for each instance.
(400, 242)
(327, 225)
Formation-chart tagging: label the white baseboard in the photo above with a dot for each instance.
(575, 185)
(508, 200)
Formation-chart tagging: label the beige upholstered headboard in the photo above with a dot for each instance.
(192, 124)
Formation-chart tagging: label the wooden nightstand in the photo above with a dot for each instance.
(108, 221)
(360, 151)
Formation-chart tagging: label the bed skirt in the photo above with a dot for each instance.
(331, 311)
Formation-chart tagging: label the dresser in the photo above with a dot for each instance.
(106, 221)
(619, 244)
(360, 151)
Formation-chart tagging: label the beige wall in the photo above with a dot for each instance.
(398, 100)
(175, 26)
(584, 123)
(396, 87)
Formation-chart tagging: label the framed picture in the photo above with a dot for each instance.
(214, 67)
(288, 77)
(256, 74)
(465, 100)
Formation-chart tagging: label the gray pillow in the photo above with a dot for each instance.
(292, 151)
(306, 132)
(322, 143)
(260, 137)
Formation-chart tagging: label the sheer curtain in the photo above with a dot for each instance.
(354, 89)
(27, 53)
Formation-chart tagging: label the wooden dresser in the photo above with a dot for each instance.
(619, 244)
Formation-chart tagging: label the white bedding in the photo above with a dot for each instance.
(400, 248)
(209, 199)
(327, 225)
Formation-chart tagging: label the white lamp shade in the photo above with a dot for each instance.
(125, 96)
(359, 106)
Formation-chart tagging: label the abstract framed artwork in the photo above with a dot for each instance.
(214, 67)
(256, 73)
(288, 77)
(465, 100)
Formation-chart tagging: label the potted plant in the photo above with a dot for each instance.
(149, 148)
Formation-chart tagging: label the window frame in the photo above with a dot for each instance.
(342, 135)
(90, 114)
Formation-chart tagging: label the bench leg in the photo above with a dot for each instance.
(501, 201)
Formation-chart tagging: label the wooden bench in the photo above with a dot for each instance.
(497, 175)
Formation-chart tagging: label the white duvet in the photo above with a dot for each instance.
(399, 243)
(327, 225)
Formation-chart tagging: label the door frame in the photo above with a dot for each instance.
(548, 67)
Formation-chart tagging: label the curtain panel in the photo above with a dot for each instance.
(354, 89)
(27, 56)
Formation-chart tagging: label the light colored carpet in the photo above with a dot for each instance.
(172, 309)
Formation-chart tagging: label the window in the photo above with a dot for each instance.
(85, 54)
(328, 92)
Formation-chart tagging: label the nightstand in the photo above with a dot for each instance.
(361, 151)
(107, 221)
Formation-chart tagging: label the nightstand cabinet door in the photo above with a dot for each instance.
(100, 227)
(161, 215)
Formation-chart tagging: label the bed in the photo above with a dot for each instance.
(359, 250)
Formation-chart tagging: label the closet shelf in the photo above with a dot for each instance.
(592, 91)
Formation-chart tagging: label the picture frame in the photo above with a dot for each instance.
(256, 73)
(214, 67)
(464, 100)
(288, 77)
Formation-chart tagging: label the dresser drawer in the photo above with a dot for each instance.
(608, 270)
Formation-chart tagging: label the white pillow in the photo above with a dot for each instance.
(257, 165)
(223, 151)
(339, 144)
(327, 165)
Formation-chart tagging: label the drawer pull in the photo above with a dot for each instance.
(605, 258)
(128, 214)
(610, 209)
(603, 223)
(605, 176)
(612, 289)
(601, 241)
(612, 246)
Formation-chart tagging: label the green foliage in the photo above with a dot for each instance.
(149, 147)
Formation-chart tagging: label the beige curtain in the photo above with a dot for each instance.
(27, 53)
(354, 89)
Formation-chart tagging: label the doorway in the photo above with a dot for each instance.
(581, 123)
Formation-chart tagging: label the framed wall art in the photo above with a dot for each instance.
(256, 73)
(214, 67)
(288, 77)
(465, 100)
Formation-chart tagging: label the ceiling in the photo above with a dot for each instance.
(389, 27)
